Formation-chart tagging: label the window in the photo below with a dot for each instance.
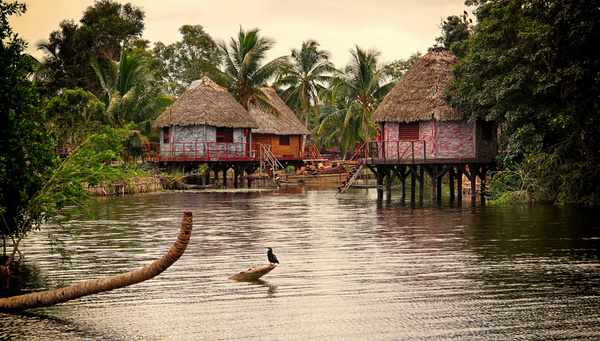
(284, 140)
(166, 135)
(408, 131)
(487, 130)
(225, 135)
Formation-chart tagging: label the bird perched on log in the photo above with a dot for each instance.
(271, 256)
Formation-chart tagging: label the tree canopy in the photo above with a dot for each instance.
(196, 55)
(245, 69)
(27, 146)
(532, 67)
(356, 90)
(305, 77)
(101, 33)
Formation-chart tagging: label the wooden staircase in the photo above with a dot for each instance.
(269, 163)
(352, 176)
(313, 152)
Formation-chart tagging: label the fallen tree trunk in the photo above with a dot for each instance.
(94, 286)
(253, 274)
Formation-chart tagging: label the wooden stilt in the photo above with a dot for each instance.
(401, 171)
(235, 176)
(459, 184)
(482, 176)
(473, 182)
(421, 183)
(432, 171)
(379, 177)
(412, 187)
(451, 182)
(439, 187)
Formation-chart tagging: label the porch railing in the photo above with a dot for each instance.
(200, 151)
(395, 151)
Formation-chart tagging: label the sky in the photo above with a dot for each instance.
(397, 28)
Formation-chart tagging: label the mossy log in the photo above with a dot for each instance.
(94, 286)
(253, 274)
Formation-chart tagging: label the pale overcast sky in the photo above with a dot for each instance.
(397, 28)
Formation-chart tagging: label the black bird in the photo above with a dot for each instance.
(271, 256)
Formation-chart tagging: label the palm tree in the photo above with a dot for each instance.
(94, 286)
(303, 79)
(360, 87)
(244, 71)
(130, 96)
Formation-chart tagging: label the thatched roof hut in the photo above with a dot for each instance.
(286, 124)
(206, 104)
(419, 95)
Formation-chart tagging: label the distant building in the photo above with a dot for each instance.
(284, 133)
(205, 124)
(415, 114)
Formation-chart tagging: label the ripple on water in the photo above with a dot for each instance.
(351, 268)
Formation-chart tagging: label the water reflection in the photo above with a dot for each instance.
(351, 267)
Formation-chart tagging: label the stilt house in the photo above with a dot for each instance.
(205, 124)
(416, 121)
(284, 133)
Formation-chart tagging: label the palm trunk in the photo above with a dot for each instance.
(94, 286)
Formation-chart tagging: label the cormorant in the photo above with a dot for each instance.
(271, 256)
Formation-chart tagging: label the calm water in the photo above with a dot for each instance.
(351, 268)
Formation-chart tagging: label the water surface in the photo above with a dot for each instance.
(351, 267)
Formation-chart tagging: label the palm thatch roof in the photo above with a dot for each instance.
(286, 124)
(419, 95)
(206, 104)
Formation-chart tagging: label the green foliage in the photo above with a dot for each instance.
(244, 68)
(397, 68)
(531, 66)
(182, 62)
(131, 97)
(76, 114)
(62, 192)
(103, 30)
(88, 164)
(27, 146)
(356, 92)
(455, 30)
(304, 78)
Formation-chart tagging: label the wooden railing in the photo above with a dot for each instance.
(200, 151)
(395, 151)
(313, 152)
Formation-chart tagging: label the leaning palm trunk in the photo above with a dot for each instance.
(94, 286)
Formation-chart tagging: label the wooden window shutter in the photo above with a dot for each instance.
(408, 131)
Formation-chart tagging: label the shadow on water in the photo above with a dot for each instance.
(271, 289)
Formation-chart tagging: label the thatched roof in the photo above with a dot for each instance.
(286, 124)
(419, 95)
(206, 104)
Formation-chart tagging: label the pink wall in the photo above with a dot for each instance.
(455, 139)
(448, 139)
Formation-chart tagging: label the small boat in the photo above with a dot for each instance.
(253, 274)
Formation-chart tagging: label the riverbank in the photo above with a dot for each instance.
(135, 186)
